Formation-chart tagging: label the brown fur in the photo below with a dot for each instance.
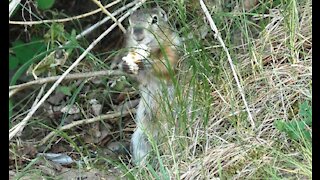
(161, 68)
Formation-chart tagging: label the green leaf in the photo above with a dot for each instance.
(23, 68)
(13, 62)
(56, 32)
(45, 4)
(25, 51)
(65, 90)
(305, 112)
(296, 130)
(279, 125)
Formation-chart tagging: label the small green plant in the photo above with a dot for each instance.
(51, 63)
(45, 4)
(66, 90)
(22, 52)
(298, 129)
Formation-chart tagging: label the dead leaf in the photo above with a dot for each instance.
(56, 98)
(70, 109)
(96, 107)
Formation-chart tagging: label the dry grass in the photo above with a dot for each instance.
(273, 84)
(275, 78)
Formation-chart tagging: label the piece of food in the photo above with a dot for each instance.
(135, 56)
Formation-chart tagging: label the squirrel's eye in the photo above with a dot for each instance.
(154, 20)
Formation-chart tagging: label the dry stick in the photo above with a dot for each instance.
(98, 3)
(98, 24)
(39, 95)
(55, 85)
(87, 121)
(12, 6)
(63, 19)
(16, 88)
(68, 77)
(13, 92)
(87, 31)
(217, 35)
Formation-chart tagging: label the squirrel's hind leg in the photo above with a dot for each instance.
(140, 146)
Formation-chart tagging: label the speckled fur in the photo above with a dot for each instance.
(155, 78)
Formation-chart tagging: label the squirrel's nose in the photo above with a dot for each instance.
(138, 34)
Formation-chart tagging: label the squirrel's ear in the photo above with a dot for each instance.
(162, 13)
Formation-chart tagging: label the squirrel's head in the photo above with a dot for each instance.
(146, 25)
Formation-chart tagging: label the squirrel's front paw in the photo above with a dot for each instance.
(133, 61)
(132, 68)
(125, 67)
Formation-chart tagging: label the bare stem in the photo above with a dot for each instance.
(12, 6)
(63, 19)
(104, 10)
(87, 121)
(16, 88)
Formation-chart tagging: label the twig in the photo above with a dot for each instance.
(90, 29)
(217, 35)
(82, 34)
(86, 32)
(64, 19)
(12, 6)
(87, 121)
(93, 27)
(13, 92)
(14, 89)
(98, 3)
(55, 85)
(39, 95)
(98, 24)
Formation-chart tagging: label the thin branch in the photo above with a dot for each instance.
(64, 19)
(98, 24)
(12, 6)
(86, 32)
(98, 3)
(13, 92)
(39, 95)
(55, 85)
(16, 88)
(87, 121)
(218, 36)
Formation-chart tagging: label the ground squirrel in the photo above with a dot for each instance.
(152, 59)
